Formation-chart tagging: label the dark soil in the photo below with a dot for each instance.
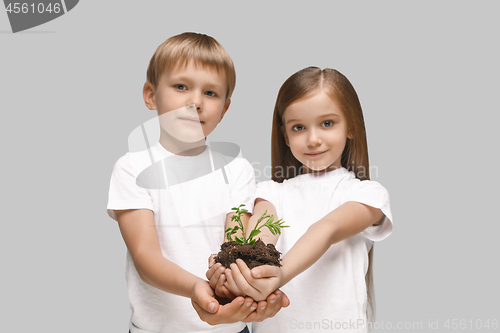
(253, 255)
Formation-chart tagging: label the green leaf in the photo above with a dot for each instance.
(254, 233)
(252, 242)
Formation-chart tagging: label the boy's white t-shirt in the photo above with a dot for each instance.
(330, 295)
(190, 197)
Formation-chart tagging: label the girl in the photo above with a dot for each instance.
(320, 173)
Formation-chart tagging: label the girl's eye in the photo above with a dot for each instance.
(327, 123)
(210, 93)
(297, 128)
(180, 86)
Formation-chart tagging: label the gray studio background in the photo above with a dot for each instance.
(427, 76)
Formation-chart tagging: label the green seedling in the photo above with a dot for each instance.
(273, 226)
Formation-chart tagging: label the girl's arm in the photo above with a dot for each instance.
(260, 207)
(347, 220)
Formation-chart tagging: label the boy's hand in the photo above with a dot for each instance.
(210, 311)
(240, 280)
(271, 306)
(216, 278)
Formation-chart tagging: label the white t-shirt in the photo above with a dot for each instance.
(190, 202)
(331, 295)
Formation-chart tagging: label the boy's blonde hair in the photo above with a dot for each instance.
(202, 49)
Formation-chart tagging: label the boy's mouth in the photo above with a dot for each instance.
(192, 120)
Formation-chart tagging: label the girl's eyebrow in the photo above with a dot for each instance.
(330, 115)
(321, 116)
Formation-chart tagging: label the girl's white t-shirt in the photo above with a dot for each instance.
(190, 197)
(330, 295)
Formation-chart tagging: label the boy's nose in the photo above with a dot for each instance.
(196, 99)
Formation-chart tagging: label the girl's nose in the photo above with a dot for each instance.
(313, 139)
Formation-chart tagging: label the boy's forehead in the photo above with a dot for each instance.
(187, 68)
(182, 66)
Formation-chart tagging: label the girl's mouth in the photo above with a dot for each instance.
(316, 153)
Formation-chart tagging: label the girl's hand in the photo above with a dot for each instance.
(241, 282)
(216, 278)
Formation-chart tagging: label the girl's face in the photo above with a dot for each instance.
(315, 129)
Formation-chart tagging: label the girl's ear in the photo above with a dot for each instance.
(283, 130)
(350, 135)
(148, 93)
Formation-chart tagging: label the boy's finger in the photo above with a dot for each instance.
(285, 301)
(274, 306)
(206, 300)
(227, 313)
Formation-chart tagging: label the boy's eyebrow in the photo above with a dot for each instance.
(189, 79)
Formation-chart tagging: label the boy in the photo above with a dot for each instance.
(170, 209)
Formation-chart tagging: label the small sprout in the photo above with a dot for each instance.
(274, 227)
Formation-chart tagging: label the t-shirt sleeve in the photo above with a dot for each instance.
(268, 191)
(124, 193)
(243, 185)
(373, 194)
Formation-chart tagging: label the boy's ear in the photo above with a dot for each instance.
(284, 134)
(228, 102)
(148, 93)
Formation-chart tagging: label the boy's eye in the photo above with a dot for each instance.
(327, 123)
(297, 128)
(180, 86)
(210, 93)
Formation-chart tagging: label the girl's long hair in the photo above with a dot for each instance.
(355, 155)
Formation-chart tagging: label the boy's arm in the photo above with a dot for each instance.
(138, 229)
(139, 233)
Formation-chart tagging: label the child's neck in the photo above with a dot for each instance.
(182, 148)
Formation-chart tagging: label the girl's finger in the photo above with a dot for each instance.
(245, 271)
(265, 271)
(217, 270)
(231, 284)
(243, 284)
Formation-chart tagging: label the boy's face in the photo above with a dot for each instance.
(190, 101)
